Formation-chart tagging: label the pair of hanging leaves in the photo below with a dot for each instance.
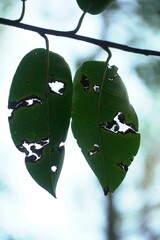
(103, 121)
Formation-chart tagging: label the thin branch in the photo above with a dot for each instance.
(46, 41)
(101, 43)
(22, 13)
(79, 23)
(47, 51)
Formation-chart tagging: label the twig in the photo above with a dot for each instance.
(22, 13)
(79, 23)
(101, 43)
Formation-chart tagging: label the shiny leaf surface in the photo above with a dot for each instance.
(104, 122)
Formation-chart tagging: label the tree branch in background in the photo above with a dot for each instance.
(71, 34)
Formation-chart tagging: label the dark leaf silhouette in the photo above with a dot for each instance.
(40, 103)
(104, 122)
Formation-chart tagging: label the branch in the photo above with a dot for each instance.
(70, 34)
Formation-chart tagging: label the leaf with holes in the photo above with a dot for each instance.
(40, 106)
(104, 122)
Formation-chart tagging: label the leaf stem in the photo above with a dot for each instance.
(22, 13)
(109, 56)
(47, 50)
(79, 23)
(48, 108)
(46, 41)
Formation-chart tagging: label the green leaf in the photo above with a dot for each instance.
(104, 122)
(94, 6)
(40, 103)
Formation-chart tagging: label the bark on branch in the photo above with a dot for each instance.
(71, 34)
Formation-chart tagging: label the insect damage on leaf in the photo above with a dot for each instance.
(94, 150)
(33, 150)
(54, 168)
(13, 106)
(40, 103)
(61, 147)
(85, 82)
(96, 88)
(118, 125)
(124, 167)
(55, 85)
(104, 122)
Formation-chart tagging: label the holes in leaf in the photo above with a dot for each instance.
(85, 82)
(86, 85)
(118, 125)
(54, 169)
(121, 117)
(27, 102)
(112, 72)
(94, 150)
(57, 87)
(33, 150)
(112, 126)
(112, 78)
(123, 166)
(96, 88)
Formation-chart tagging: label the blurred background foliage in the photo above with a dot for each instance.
(149, 12)
(5, 5)
(135, 23)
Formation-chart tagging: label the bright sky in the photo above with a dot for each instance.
(27, 211)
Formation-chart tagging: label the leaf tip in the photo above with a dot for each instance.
(106, 190)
